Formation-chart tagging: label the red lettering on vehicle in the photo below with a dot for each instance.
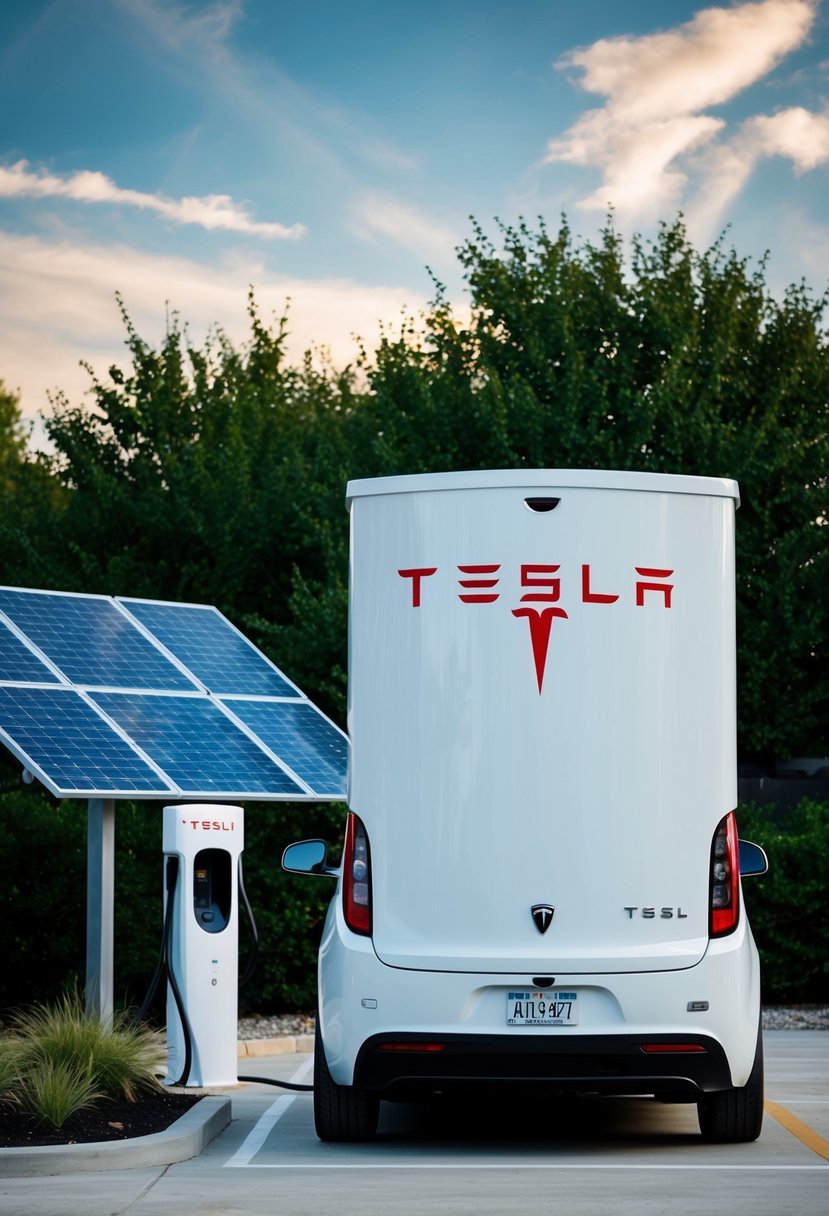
(641, 587)
(553, 584)
(593, 597)
(479, 596)
(541, 583)
(416, 576)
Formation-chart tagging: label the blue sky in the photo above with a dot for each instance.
(328, 153)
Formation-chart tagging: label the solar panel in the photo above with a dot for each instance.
(60, 734)
(141, 698)
(206, 643)
(297, 732)
(17, 662)
(90, 640)
(196, 744)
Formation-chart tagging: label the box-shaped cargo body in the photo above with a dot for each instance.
(542, 715)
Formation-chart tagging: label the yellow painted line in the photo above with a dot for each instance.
(798, 1128)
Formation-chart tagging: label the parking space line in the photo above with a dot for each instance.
(805, 1134)
(254, 1140)
(518, 1165)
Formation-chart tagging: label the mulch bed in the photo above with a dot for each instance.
(104, 1121)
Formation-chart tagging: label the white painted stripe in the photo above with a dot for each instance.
(254, 1140)
(517, 1165)
(805, 1101)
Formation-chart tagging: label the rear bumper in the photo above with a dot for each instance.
(410, 1065)
(364, 1004)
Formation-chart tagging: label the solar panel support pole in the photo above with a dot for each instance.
(100, 905)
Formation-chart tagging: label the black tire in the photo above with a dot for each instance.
(735, 1116)
(341, 1112)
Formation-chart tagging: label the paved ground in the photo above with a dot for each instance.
(615, 1155)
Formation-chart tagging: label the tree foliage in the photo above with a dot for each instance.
(217, 473)
(29, 499)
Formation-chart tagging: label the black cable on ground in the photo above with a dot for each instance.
(307, 1089)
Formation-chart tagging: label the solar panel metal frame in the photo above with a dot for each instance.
(167, 787)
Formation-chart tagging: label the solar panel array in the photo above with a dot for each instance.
(129, 698)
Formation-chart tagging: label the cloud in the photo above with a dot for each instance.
(383, 215)
(57, 307)
(211, 211)
(180, 27)
(796, 133)
(656, 87)
(262, 97)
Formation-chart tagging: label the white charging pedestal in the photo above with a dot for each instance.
(203, 948)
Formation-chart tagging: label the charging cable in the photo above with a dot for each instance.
(164, 968)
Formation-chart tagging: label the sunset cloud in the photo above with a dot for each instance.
(57, 306)
(211, 211)
(795, 133)
(657, 88)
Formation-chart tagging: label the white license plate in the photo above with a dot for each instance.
(542, 1009)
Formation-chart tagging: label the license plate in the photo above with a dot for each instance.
(542, 1009)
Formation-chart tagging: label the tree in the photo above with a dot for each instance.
(12, 438)
(29, 499)
(194, 476)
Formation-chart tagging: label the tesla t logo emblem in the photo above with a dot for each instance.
(541, 622)
(543, 916)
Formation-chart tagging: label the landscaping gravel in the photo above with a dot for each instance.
(775, 1017)
(798, 1017)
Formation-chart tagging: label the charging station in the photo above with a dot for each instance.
(202, 844)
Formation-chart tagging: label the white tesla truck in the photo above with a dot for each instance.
(540, 886)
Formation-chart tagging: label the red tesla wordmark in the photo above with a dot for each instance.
(541, 584)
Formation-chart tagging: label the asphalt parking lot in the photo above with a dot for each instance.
(591, 1156)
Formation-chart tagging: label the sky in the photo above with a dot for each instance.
(330, 155)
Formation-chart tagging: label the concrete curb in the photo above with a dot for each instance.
(181, 1140)
(276, 1047)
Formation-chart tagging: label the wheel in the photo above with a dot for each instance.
(341, 1112)
(734, 1116)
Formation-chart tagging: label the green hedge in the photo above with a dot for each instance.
(43, 900)
(789, 906)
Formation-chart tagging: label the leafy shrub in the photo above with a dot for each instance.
(789, 906)
(58, 1059)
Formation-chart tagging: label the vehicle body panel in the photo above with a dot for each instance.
(496, 768)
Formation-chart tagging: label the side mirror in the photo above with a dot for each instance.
(308, 857)
(753, 859)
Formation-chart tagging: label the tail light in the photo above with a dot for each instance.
(725, 878)
(655, 1049)
(356, 877)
